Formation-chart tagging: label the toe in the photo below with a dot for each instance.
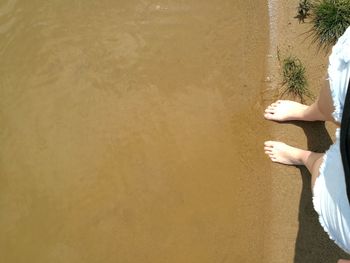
(269, 154)
(269, 143)
(267, 108)
(271, 106)
(270, 109)
(272, 157)
(269, 116)
(268, 148)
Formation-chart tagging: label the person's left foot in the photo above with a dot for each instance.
(282, 153)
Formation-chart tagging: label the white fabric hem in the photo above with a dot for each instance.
(317, 190)
(337, 113)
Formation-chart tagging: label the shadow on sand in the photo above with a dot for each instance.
(313, 244)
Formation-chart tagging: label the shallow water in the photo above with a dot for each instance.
(131, 131)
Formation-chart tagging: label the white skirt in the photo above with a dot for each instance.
(329, 192)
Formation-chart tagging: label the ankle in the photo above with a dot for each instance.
(304, 156)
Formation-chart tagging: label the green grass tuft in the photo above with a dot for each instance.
(304, 8)
(294, 79)
(330, 19)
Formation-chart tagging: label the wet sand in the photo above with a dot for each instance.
(294, 233)
(131, 131)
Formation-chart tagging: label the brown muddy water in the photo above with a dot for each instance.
(131, 131)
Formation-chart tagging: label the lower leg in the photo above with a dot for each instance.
(323, 108)
(313, 163)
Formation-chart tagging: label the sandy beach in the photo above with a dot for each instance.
(295, 234)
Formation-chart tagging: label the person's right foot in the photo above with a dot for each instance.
(285, 110)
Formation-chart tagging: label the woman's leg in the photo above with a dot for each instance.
(282, 153)
(285, 110)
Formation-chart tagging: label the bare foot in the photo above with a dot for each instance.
(280, 152)
(285, 110)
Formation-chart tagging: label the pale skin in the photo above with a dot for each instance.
(286, 110)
